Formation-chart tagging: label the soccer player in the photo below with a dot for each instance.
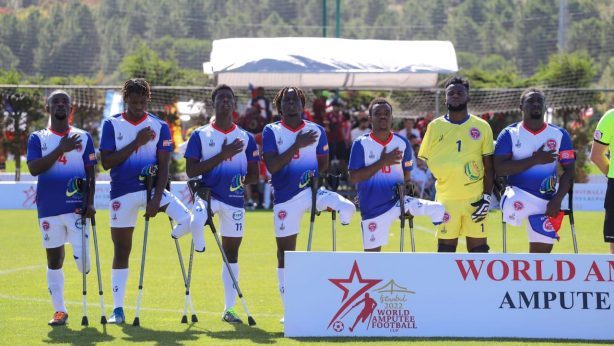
(226, 157)
(379, 161)
(131, 142)
(295, 150)
(527, 153)
(603, 140)
(58, 156)
(458, 148)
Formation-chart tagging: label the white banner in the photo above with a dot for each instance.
(22, 195)
(449, 295)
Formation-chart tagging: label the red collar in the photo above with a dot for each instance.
(535, 132)
(384, 143)
(137, 122)
(234, 126)
(291, 129)
(61, 134)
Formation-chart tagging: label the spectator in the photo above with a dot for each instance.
(409, 129)
(363, 125)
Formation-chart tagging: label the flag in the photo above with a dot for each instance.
(547, 225)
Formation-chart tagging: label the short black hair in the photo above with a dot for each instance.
(378, 101)
(457, 80)
(137, 86)
(282, 92)
(219, 88)
(58, 92)
(529, 90)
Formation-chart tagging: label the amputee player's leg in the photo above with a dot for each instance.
(232, 222)
(174, 208)
(326, 199)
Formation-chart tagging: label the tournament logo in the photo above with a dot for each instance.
(518, 144)
(120, 137)
(44, 147)
(371, 155)
(472, 170)
(518, 205)
(115, 205)
(372, 226)
(365, 306)
(551, 144)
(45, 226)
(548, 185)
(446, 217)
(237, 215)
(30, 198)
(304, 181)
(475, 133)
(211, 143)
(236, 184)
(597, 135)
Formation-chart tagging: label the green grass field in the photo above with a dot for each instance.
(25, 306)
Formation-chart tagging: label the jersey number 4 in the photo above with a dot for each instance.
(63, 159)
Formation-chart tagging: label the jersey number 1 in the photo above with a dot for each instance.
(459, 145)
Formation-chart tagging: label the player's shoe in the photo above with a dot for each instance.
(59, 319)
(231, 317)
(117, 317)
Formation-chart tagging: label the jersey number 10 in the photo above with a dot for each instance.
(386, 169)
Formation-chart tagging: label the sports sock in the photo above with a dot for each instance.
(229, 290)
(118, 286)
(55, 283)
(282, 289)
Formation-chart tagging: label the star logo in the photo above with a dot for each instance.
(30, 197)
(354, 287)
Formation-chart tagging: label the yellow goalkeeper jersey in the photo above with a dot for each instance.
(453, 152)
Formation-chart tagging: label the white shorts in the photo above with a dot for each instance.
(66, 228)
(517, 205)
(375, 230)
(124, 209)
(232, 219)
(288, 215)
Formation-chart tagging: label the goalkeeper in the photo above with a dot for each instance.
(458, 149)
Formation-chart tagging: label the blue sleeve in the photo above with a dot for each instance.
(107, 142)
(504, 143)
(322, 148)
(268, 141)
(194, 149)
(357, 156)
(89, 155)
(165, 142)
(34, 148)
(566, 150)
(407, 163)
(251, 151)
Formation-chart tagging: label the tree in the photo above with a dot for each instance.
(145, 63)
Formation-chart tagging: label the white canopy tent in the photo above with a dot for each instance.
(314, 62)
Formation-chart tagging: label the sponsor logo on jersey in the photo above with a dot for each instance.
(596, 136)
(551, 144)
(74, 188)
(548, 185)
(475, 133)
(472, 170)
(408, 163)
(518, 205)
(237, 215)
(45, 225)
(236, 184)
(115, 205)
(372, 226)
(167, 143)
(304, 181)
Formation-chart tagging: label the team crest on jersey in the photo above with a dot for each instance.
(551, 144)
(472, 170)
(475, 133)
(518, 205)
(282, 215)
(79, 147)
(446, 217)
(116, 205)
(45, 226)
(372, 226)
(598, 135)
(547, 225)
(548, 185)
(236, 184)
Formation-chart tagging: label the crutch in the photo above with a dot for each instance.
(312, 216)
(85, 193)
(207, 195)
(569, 212)
(103, 317)
(499, 184)
(149, 187)
(186, 279)
(401, 192)
(333, 185)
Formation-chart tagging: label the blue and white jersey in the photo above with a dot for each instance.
(224, 180)
(118, 132)
(520, 142)
(52, 196)
(378, 194)
(294, 177)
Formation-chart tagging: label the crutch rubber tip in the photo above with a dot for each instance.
(251, 321)
(136, 322)
(184, 319)
(84, 321)
(103, 320)
(194, 319)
